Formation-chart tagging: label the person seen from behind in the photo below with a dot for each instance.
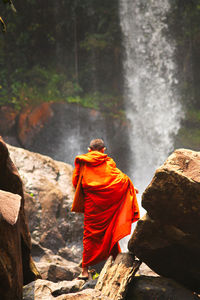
(107, 198)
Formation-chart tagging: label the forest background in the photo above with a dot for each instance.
(72, 50)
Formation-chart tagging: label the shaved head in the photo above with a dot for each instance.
(97, 144)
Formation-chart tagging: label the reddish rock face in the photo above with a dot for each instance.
(168, 238)
(31, 120)
(16, 265)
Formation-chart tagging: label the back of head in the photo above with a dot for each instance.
(97, 144)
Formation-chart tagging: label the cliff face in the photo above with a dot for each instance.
(63, 130)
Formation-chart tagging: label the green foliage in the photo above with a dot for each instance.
(95, 276)
(94, 41)
(189, 134)
(193, 117)
(61, 51)
(40, 84)
(189, 138)
(185, 26)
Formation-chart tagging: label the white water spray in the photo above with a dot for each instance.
(150, 86)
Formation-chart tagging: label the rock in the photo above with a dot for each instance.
(53, 267)
(58, 271)
(116, 275)
(152, 288)
(88, 294)
(89, 284)
(47, 290)
(49, 193)
(31, 120)
(73, 253)
(9, 206)
(145, 270)
(62, 130)
(167, 239)
(16, 265)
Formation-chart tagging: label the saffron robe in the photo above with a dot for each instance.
(110, 206)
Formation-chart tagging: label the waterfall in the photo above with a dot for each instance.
(151, 86)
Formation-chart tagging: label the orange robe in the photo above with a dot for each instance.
(110, 206)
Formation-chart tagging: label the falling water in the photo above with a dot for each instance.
(150, 85)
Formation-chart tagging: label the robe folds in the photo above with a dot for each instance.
(110, 206)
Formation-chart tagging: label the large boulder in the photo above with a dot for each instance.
(167, 239)
(16, 264)
(11, 273)
(49, 194)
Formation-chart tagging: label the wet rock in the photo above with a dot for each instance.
(167, 238)
(151, 288)
(116, 275)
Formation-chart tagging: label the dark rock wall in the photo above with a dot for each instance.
(16, 265)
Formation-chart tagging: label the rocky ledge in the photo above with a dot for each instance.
(167, 239)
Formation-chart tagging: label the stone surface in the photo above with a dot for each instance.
(49, 193)
(151, 288)
(55, 268)
(9, 206)
(16, 265)
(31, 120)
(63, 130)
(88, 294)
(70, 129)
(145, 270)
(47, 290)
(167, 238)
(116, 275)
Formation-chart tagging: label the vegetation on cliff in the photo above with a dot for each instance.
(61, 51)
(184, 23)
(71, 51)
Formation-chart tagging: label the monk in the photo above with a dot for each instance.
(110, 205)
